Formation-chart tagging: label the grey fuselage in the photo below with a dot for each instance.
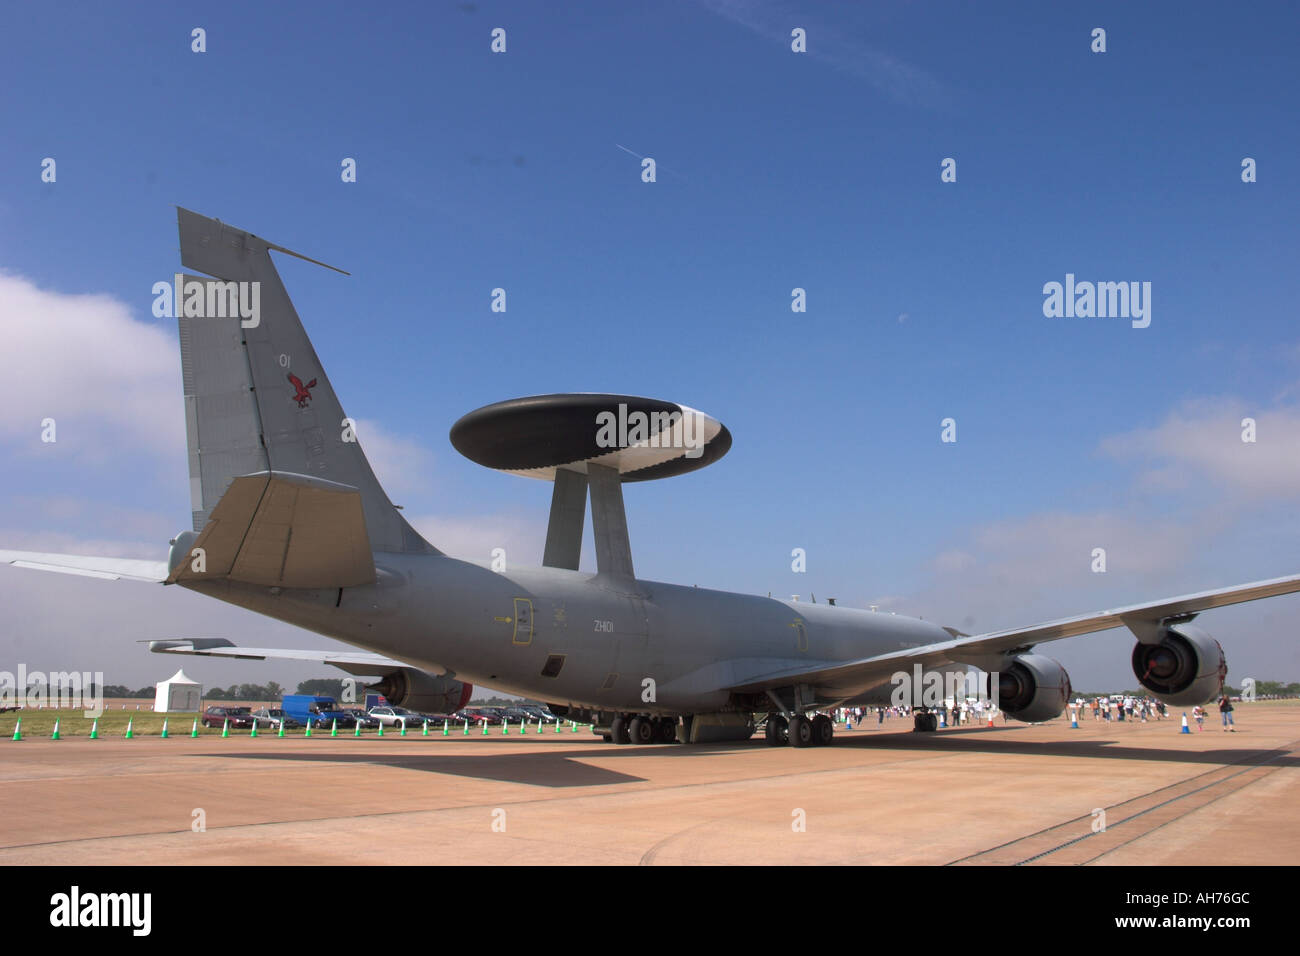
(442, 614)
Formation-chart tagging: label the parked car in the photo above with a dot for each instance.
(539, 713)
(394, 716)
(479, 715)
(239, 717)
(362, 718)
(272, 717)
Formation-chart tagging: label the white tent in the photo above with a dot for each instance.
(178, 693)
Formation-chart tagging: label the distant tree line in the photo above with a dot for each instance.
(268, 691)
(1263, 688)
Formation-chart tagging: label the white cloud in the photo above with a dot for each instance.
(111, 383)
(473, 537)
(1202, 439)
(402, 465)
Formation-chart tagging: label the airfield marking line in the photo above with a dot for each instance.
(1262, 758)
(1242, 785)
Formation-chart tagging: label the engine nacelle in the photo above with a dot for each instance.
(424, 692)
(1186, 668)
(1033, 688)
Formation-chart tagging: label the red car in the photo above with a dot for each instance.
(239, 717)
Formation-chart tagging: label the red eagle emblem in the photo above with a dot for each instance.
(302, 392)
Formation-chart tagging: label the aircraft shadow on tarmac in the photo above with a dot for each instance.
(545, 768)
(551, 767)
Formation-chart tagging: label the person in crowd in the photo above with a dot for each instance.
(1225, 708)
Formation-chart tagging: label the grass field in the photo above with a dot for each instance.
(113, 723)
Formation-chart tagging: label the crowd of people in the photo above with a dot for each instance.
(956, 713)
(953, 713)
(1126, 708)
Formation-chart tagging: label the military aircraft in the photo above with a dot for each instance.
(290, 521)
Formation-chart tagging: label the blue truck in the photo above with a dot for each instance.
(321, 711)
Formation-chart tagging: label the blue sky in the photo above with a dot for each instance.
(775, 170)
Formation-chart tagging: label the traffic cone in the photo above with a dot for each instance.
(381, 728)
(444, 727)
(308, 732)
(403, 733)
(225, 727)
(466, 734)
(426, 728)
(94, 729)
(574, 724)
(1074, 720)
(130, 721)
(334, 728)
(505, 727)
(1186, 729)
(557, 726)
(252, 731)
(194, 731)
(357, 732)
(943, 719)
(281, 733)
(55, 735)
(990, 718)
(485, 728)
(18, 729)
(164, 730)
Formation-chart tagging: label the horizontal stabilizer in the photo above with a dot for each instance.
(357, 663)
(111, 569)
(283, 530)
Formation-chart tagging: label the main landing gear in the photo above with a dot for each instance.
(924, 722)
(637, 729)
(799, 731)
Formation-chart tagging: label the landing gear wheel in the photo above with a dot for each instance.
(925, 723)
(801, 732)
(777, 731)
(823, 730)
(667, 732)
(642, 730)
(619, 731)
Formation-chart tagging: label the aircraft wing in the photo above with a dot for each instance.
(89, 566)
(1143, 619)
(357, 663)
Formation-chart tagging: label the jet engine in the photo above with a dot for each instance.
(424, 692)
(1033, 688)
(1186, 668)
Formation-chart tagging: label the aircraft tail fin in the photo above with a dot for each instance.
(257, 399)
